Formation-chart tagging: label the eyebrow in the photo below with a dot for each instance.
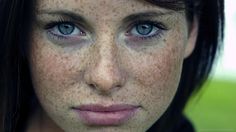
(148, 14)
(64, 13)
(79, 17)
(169, 4)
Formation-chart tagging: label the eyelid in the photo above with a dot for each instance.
(157, 24)
(53, 24)
(47, 21)
(154, 23)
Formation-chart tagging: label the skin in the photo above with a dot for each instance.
(106, 66)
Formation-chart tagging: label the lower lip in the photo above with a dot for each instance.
(106, 118)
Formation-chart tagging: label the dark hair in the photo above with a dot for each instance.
(16, 90)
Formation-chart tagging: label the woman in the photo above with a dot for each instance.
(106, 65)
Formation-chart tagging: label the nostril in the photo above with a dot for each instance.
(104, 89)
(92, 86)
(119, 85)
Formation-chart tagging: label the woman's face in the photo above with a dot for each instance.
(106, 65)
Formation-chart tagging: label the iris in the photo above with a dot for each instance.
(144, 29)
(66, 29)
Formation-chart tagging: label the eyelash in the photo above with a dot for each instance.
(54, 24)
(160, 28)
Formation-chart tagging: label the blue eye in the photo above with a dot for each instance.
(146, 29)
(65, 28)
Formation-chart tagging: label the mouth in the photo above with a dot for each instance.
(100, 115)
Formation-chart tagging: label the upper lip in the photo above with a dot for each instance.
(102, 108)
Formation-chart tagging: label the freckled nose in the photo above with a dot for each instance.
(106, 75)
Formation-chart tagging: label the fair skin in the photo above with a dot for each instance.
(106, 61)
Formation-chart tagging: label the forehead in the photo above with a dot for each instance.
(102, 5)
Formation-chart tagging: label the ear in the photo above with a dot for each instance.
(192, 38)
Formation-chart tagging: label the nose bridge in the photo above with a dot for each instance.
(106, 46)
(105, 74)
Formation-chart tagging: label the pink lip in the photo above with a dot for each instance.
(105, 115)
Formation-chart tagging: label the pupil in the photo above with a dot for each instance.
(144, 29)
(66, 29)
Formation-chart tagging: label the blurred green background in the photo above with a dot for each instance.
(213, 109)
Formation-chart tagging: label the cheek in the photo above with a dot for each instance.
(161, 66)
(52, 70)
(157, 74)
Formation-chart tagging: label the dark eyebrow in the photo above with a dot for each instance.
(142, 15)
(78, 17)
(64, 13)
(176, 5)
